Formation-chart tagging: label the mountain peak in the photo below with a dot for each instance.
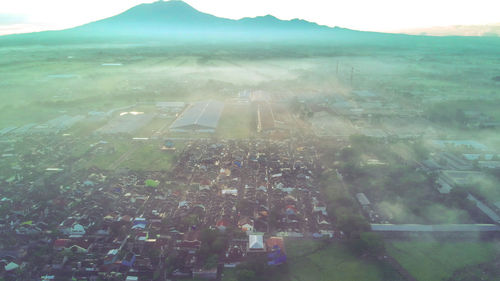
(165, 6)
(159, 11)
(177, 19)
(171, 4)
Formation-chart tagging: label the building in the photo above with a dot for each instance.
(171, 106)
(362, 199)
(274, 243)
(245, 224)
(450, 178)
(276, 251)
(199, 117)
(202, 273)
(256, 243)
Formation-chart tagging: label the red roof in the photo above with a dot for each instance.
(60, 243)
(275, 241)
(222, 223)
(125, 218)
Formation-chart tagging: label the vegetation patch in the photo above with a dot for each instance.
(433, 261)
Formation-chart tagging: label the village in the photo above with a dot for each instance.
(157, 191)
(249, 194)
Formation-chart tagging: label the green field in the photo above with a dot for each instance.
(148, 157)
(105, 160)
(236, 122)
(433, 261)
(333, 262)
(316, 260)
(229, 274)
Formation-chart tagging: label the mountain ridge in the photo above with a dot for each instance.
(178, 22)
(175, 14)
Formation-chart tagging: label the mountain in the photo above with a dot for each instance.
(177, 22)
(167, 20)
(177, 18)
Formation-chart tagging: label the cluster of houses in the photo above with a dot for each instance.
(138, 226)
(261, 186)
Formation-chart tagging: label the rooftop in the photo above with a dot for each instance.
(199, 116)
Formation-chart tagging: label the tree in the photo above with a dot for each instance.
(219, 245)
(151, 183)
(211, 262)
(373, 243)
(245, 206)
(352, 224)
(255, 263)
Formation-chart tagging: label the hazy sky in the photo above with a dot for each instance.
(376, 15)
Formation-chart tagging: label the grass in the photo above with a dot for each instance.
(149, 157)
(104, 160)
(155, 128)
(86, 128)
(235, 122)
(433, 261)
(229, 274)
(315, 260)
(319, 261)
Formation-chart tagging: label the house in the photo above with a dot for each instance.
(256, 243)
(273, 242)
(230, 192)
(222, 224)
(245, 224)
(111, 256)
(60, 244)
(290, 210)
(168, 145)
(190, 242)
(11, 266)
(362, 199)
(235, 253)
(139, 223)
(77, 230)
(319, 206)
(129, 259)
(78, 249)
(276, 251)
(28, 230)
(210, 273)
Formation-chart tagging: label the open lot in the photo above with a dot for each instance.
(436, 261)
(148, 157)
(310, 260)
(313, 260)
(237, 121)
